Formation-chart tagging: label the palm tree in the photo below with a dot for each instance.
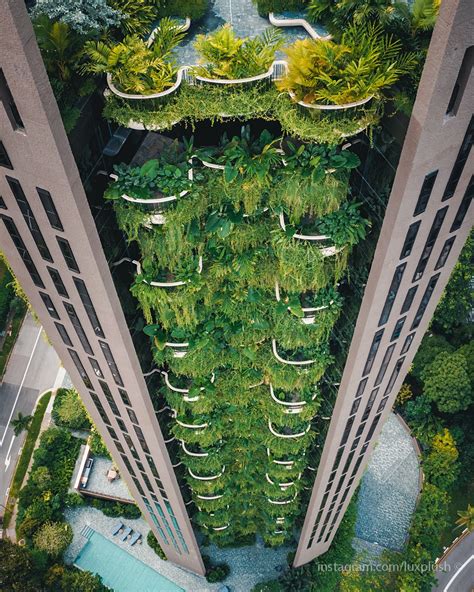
(21, 423)
(466, 519)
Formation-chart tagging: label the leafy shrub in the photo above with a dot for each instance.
(154, 544)
(68, 410)
(446, 382)
(217, 572)
(6, 295)
(430, 347)
(267, 6)
(440, 466)
(97, 445)
(53, 538)
(138, 15)
(115, 509)
(194, 9)
(83, 16)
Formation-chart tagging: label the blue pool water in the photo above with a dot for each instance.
(119, 570)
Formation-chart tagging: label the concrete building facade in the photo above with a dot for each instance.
(50, 239)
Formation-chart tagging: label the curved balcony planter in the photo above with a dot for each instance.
(297, 22)
(184, 391)
(218, 528)
(172, 439)
(309, 313)
(326, 251)
(210, 497)
(179, 349)
(252, 386)
(194, 454)
(280, 520)
(291, 407)
(289, 362)
(311, 468)
(278, 532)
(191, 426)
(166, 284)
(282, 502)
(318, 107)
(271, 74)
(208, 478)
(285, 463)
(278, 435)
(282, 486)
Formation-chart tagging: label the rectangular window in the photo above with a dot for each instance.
(361, 388)
(385, 362)
(355, 406)
(125, 397)
(23, 251)
(4, 158)
(357, 465)
(111, 362)
(119, 446)
(76, 323)
(398, 329)
(409, 299)
(49, 305)
(68, 254)
(347, 431)
(461, 159)
(448, 245)
(430, 242)
(394, 376)
(425, 193)
(131, 446)
(108, 395)
(29, 218)
(101, 411)
(383, 402)
(89, 307)
(121, 425)
(461, 82)
(96, 368)
(80, 368)
(348, 462)
(50, 209)
(425, 301)
(464, 206)
(63, 334)
(373, 352)
(355, 443)
(408, 342)
(370, 404)
(113, 435)
(371, 431)
(3, 205)
(58, 282)
(410, 239)
(9, 104)
(360, 429)
(132, 415)
(141, 438)
(392, 293)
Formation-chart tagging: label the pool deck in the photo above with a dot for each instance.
(249, 565)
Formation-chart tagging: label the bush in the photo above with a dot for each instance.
(68, 410)
(115, 509)
(194, 9)
(446, 382)
(6, 295)
(18, 569)
(267, 6)
(440, 466)
(155, 545)
(217, 573)
(53, 538)
(430, 347)
(97, 445)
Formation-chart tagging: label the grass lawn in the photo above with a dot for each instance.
(10, 341)
(27, 451)
(460, 497)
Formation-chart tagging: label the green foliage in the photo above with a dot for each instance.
(83, 16)
(194, 9)
(53, 538)
(430, 347)
(115, 509)
(97, 445)
(18, 570)
(6, 295)
(226, 56)
(21, 423)
(68, 410)
(76, 580)
(153, 543)
(217, 573)
(138, 14)
(440, 465)
(446, 382)
(267, 6)
(363, 64)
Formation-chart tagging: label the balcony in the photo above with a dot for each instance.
(295, 354)
(287, 432)
(292, 403)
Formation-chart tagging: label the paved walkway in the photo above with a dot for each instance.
(456, 567)
(249, 565)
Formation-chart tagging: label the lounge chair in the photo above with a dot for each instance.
(117, 528)
(126, 532)
(135, 538)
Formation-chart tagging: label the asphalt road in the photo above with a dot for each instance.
(32, 369)
(458, 564)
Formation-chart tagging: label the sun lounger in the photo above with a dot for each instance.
(135, 538)
(117, 528)
(126, 532)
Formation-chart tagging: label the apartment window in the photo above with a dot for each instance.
(408, 342)
(23, 251)
(119, 446)
(385, 362)
(373, 352)
(153, 468)
(461, 159)
(63, 334)
(410, 239)
(125, 397)
(9, 104)
(430, 242)
(89, 307)
(76, 323)
(394, 376)
(464, 206)
(370, 404)
(355, 406)
(50, 209)
(425, 301)
(111, 362)
(392, 293)
(409, 299)
(383, 402)
(445, 253)
(131, 446)
(355, 443)
(347, 431)
(58, 282)
(461, 82)
(80, 368)
(132, 415)
(348, 462)
(4, 158)
(108, 395)
(113, 435)
(121, 425)
(3, 205)
(425, 193)
(128, 464)
(361, 388)
(332, 475)
(371, 431)
(398, 329)
(141, 438)
(29, 218)
(102, 413)
(96, 368)
(68, 254)
(360, 429)
(357, 465)
(49, 305)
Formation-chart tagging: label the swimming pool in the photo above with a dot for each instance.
(119, 570)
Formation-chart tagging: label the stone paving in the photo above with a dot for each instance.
(249, 565)
(245, 20)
